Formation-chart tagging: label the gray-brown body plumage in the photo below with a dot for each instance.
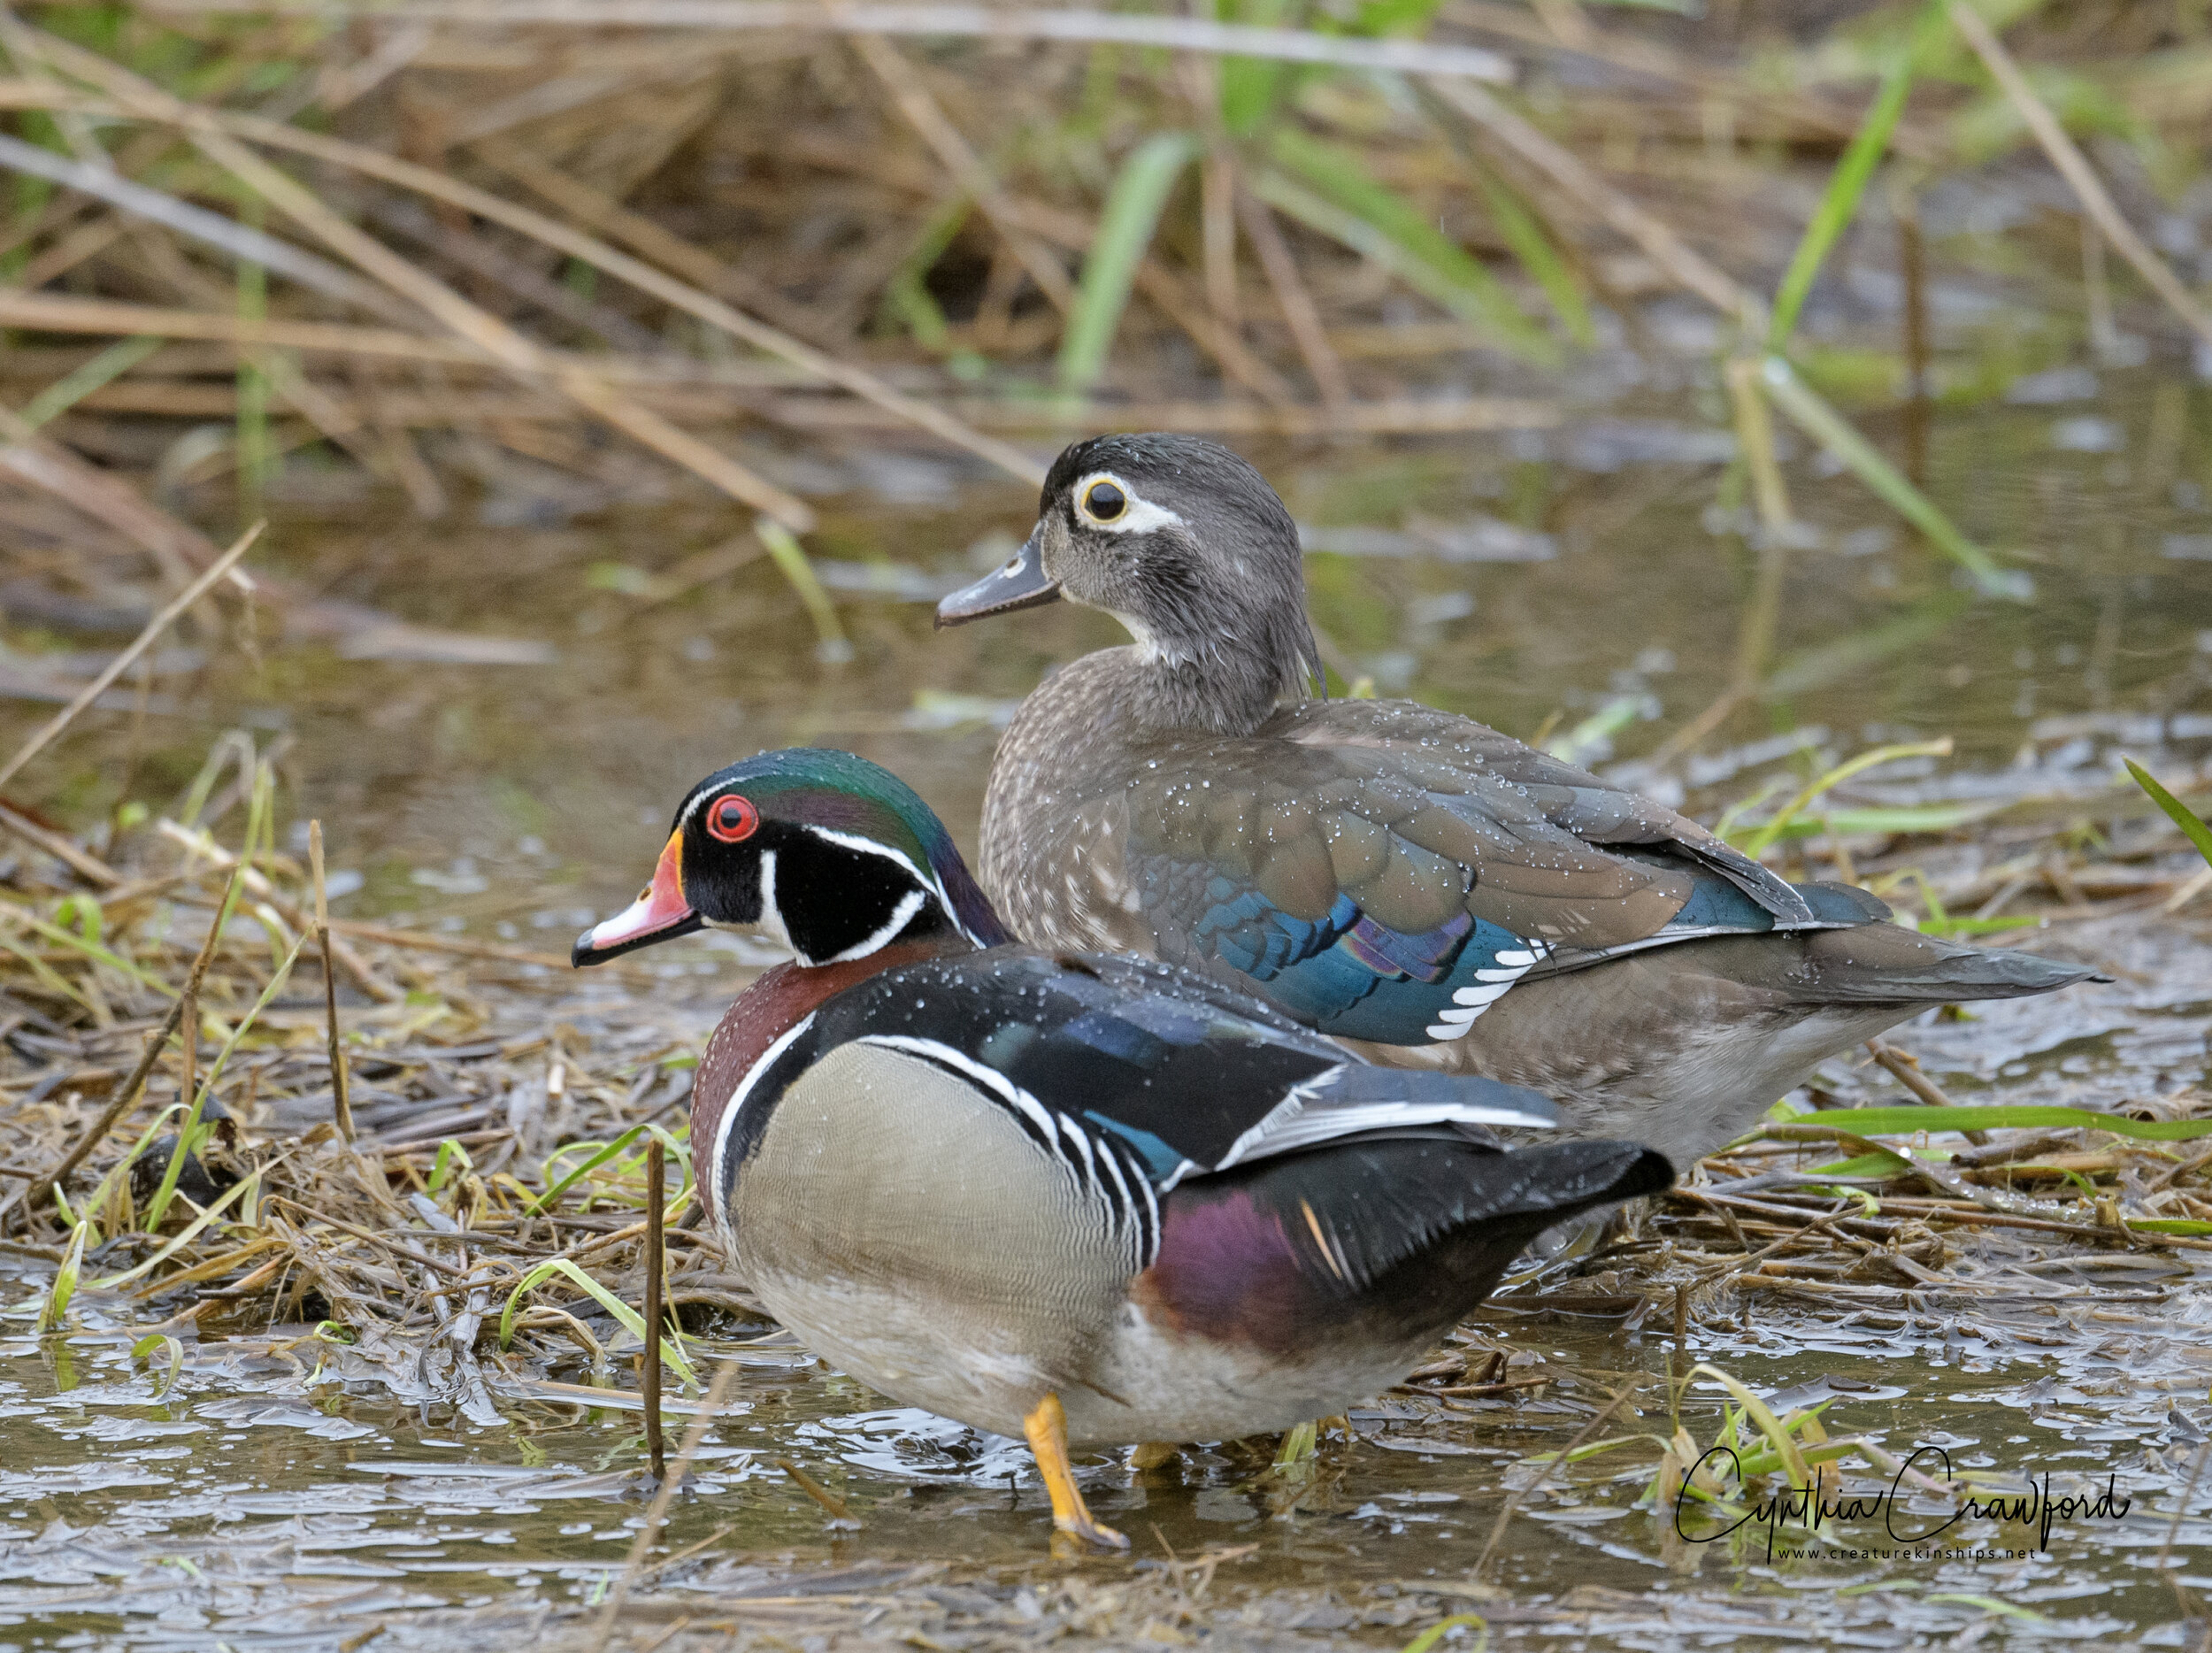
(1431, 892)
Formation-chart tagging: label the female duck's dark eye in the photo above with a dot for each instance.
(732, 819)
(1104, 501)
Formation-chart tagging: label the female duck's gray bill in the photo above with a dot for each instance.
(1022, 583)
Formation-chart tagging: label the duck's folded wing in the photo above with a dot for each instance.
(1577, 802)
(1369, 870)
(1370, 897)
(1163, 1072)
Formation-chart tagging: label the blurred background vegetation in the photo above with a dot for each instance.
(738, 328)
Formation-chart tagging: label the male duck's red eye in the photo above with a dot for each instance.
(732, 819)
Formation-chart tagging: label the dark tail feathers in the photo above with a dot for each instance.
(1883, 962)
(1387, 1203)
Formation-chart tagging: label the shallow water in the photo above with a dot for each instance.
(256, 1506)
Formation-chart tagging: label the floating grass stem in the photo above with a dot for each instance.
(341, 1105)
(1443, 1627)
(655, 1247)
(839, 1510)
(1833, 431)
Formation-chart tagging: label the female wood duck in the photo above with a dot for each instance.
(1427, 890)
(1081, 1197)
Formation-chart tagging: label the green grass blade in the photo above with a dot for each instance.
(2004, 1117)
(1786, 1446)
(188, 1132)
(1333, 192)
(1834, 433)
(1126, 227)
(1757, 841)
(569, 1178)
(1594, 1449)
(1839, 202)
(1591, 734)
(1428, 1639)
(790, 559)
(1990, 1604)
(236, 1192)
(76, 942)
(450, 1153)
(104, 1191)
(1529, 244)
(1395, 17)
(47, 976)
(147, 1346)
(2191, 826)
(1300, 1446)
(1254, 88)
(1880, 1163)
(1905, 818)
(623, 1314)
(1979, 927)
(56, 1307)
(110, 365)
(680, 1152)
(907, 297)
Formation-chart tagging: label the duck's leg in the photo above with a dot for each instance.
(1046, 1428)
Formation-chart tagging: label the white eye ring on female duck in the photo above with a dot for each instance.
(1138, 515)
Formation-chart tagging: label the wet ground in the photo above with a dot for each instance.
(258, 1503)
(1579, 582)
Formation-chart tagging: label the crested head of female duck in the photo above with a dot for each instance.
(826, 852)
(1185, 543)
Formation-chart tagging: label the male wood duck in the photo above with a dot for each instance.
(1083, 1198)
(1430, 891)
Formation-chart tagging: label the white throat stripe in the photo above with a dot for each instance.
(710, 1175)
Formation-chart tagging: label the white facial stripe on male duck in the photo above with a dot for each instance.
(1083, 1197)
(1392, 875)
